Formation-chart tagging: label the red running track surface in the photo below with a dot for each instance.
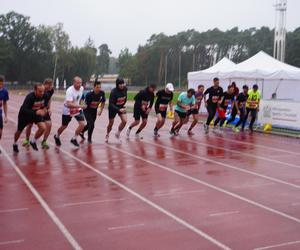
(229, 191)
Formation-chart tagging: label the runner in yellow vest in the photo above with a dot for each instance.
(252, 106)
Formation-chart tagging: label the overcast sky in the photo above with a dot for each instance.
(128, 23)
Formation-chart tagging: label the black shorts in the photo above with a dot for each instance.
(162, 113)
(193, 112)
(24, 120)
(67, 118)
(1, 122)
(181, 115)
(138, 113)
(112, 113)
(47, 118)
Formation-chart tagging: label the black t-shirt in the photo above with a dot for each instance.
(32, 103)
(117, 99)
(215, 94)
(93, 100)
(163, 99)
(48, 96)
(241, 100)
(144, 98)
(226, 99)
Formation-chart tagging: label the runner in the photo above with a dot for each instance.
(185, 101)
(239, 108)
(117, 101)
(215, 93)
(49, 91)
(164, 98)
(195, 110)
(72, 108)
(3, 104)
(93, 100)
(33, 110)
(228, 96)
(252, 106)
(143, 104)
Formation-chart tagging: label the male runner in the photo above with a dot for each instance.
(143, 104)
(215, 93)
(164, 98)
(195, 110)
(117, 101)
(33, 110)
(72, 108)
(252, 106)
(49, 91)
(239, 108)
(184, 103)
(93, 100)
(228, 96)
(3, 104)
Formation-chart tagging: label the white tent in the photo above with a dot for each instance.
(271, 75)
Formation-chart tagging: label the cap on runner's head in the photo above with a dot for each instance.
(170, 87)
(119, 81)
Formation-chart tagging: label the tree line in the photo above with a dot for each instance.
(29, 53)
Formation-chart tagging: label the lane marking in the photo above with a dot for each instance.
(225, 165)
(125, 227)
(43, 203)
(279, 245)
(89, 202)
(14, 210)
(296, 204)
(2, 243)
(179, 193)
(224, 213)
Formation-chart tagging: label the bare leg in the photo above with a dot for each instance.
(81, 125)
(195, 121)
(17, 135)
(109, 126)
(41, 129)
(48, 130)
(142, 126)
(61, 129)
(28, 130)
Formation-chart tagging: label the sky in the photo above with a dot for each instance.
(129, 23)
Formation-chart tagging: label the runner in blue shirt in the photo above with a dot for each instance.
(3, 104)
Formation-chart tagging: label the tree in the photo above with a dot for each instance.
(103, 59)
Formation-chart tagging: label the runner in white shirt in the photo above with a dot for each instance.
(72, 108)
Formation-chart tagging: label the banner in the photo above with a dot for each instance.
(283, 114)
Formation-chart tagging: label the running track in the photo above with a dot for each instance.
(202, 192)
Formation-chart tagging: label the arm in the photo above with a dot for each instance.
(102, 105)
(5, 111)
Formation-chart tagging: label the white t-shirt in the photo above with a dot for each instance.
(72, 95)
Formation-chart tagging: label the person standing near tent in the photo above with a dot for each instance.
(215, 94)
(72, 108)
(252, 106)
(164, 98)
(117, 101)
(185, 101)
(236, 90)
(93, 99)
(143, 104)
(239, 108)
(3, 104)
(194, 111)
(228, 96)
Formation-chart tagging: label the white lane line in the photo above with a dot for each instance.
(254, 185)
(13, 210)
(179, 193)
(279, 245)
(225, 165)
(280, 163)
(89, 202)
(296, 204)
(237, 196)
(3, 243)
(125, 227)
(224, 213)
(149, 202)
(43, 203)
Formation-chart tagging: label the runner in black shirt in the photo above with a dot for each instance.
(239, 108)
(93, 100)
(227, 97)
(33, 110)
(164, 99)
(117, 101)
(215, 93)
(49, 91)
(143, 104)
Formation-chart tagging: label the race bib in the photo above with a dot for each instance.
(215, 99)
(74, 111)
(163, 107)
(121, 101)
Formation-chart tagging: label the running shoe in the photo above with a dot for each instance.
(16, 148)
(74, 142)
(45, 145)
(57, 140)
(190, 132)
(172, 132)
(106, 138)
(138, 137)
(82, 136)
(117, 135)
(236, 130)
(128, 132)
(34, 146)
(206, 128)
(155, 132)
(90, 141)
(26, 143)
